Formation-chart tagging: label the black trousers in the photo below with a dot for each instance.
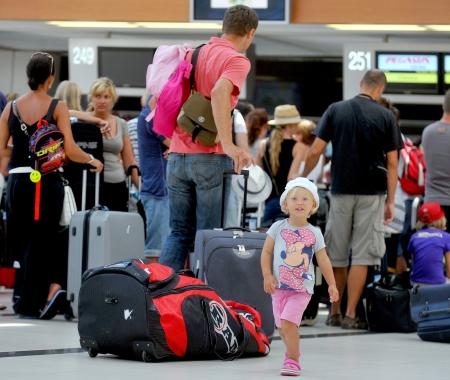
(39, 246)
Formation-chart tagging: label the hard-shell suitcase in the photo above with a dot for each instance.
(100, 237)
(430, 308)
(229, 261)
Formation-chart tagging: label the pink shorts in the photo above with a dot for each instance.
(289, 305)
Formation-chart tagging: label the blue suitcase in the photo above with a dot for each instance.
(430, 308)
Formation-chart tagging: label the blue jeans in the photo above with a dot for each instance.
(272, 211)
(195, 193)
(157, 228)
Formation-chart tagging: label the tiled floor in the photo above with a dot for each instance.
(47, 350)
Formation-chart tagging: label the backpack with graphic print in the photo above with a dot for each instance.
(46, 144)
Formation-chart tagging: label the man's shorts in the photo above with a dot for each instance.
(355, 226)
(289, 305)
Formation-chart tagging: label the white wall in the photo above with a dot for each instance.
(12, 71)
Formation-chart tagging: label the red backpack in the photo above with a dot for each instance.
(411, 169)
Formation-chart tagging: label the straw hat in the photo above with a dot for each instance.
(285, 114)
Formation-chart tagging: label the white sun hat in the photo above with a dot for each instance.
(306, 184)
(259, 185)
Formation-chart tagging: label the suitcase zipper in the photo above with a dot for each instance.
(181, 290)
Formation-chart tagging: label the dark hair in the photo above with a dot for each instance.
(39, 68)
(239, 20)
(244, 107)
(446, 105)
(374, 78)
(388, 104)
(3, 101)
(255, 121)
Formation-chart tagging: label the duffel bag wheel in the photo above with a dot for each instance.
(92, 353)
(146, 357)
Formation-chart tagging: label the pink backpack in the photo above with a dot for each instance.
(164, 66)
(173, 95)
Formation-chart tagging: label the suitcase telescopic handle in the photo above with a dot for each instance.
(84, 190)
(231, 172)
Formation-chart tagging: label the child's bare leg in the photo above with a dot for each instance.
(289, 334)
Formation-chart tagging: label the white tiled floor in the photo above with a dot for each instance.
(47, 350)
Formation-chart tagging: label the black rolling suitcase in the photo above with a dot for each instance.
(229, 261)
(89, 138)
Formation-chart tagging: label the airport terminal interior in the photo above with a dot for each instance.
(304, 53)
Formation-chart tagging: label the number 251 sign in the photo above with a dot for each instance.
(359, 61)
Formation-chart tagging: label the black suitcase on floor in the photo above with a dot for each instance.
(430, 308)
(388, 307)
(229, 261)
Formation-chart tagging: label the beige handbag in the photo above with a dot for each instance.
(197, 119)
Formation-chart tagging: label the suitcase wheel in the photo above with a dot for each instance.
(92, 353)
(146, 357)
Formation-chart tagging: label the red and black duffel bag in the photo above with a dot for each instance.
(140, 310)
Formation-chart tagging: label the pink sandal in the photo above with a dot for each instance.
(291, 367)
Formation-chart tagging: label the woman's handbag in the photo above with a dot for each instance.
(69, 205)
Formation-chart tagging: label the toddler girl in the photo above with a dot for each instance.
(287, 268)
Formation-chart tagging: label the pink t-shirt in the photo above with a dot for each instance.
(217, 59)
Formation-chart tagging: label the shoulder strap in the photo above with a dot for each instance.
(16, 112)
(194, 64)
(51, 109)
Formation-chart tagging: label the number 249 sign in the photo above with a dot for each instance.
(359, 60)
(83, 55)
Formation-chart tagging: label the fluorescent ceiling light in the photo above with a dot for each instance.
(439, 28)
(378, 27)
(16, 324)
(92, 24)
(134, 25)
(180, 25)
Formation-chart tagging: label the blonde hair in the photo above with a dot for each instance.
(305, 128)
(276, 139)
(440, 224)
(100, 86)
(283, 206)
(69, 93)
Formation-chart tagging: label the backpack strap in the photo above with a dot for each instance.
(16, 112)
(194, 60)
(51, 109)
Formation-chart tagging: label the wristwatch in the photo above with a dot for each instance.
(92, 158)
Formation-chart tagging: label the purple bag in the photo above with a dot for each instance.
(173, 95)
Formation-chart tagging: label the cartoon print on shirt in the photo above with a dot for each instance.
(296, 258)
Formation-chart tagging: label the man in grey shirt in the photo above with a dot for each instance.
(436, 146)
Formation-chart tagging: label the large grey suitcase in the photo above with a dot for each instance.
(229, 261)
(100, 237)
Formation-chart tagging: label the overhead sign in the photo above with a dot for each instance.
(269, 11)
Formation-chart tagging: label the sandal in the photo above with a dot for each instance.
(291, 367)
